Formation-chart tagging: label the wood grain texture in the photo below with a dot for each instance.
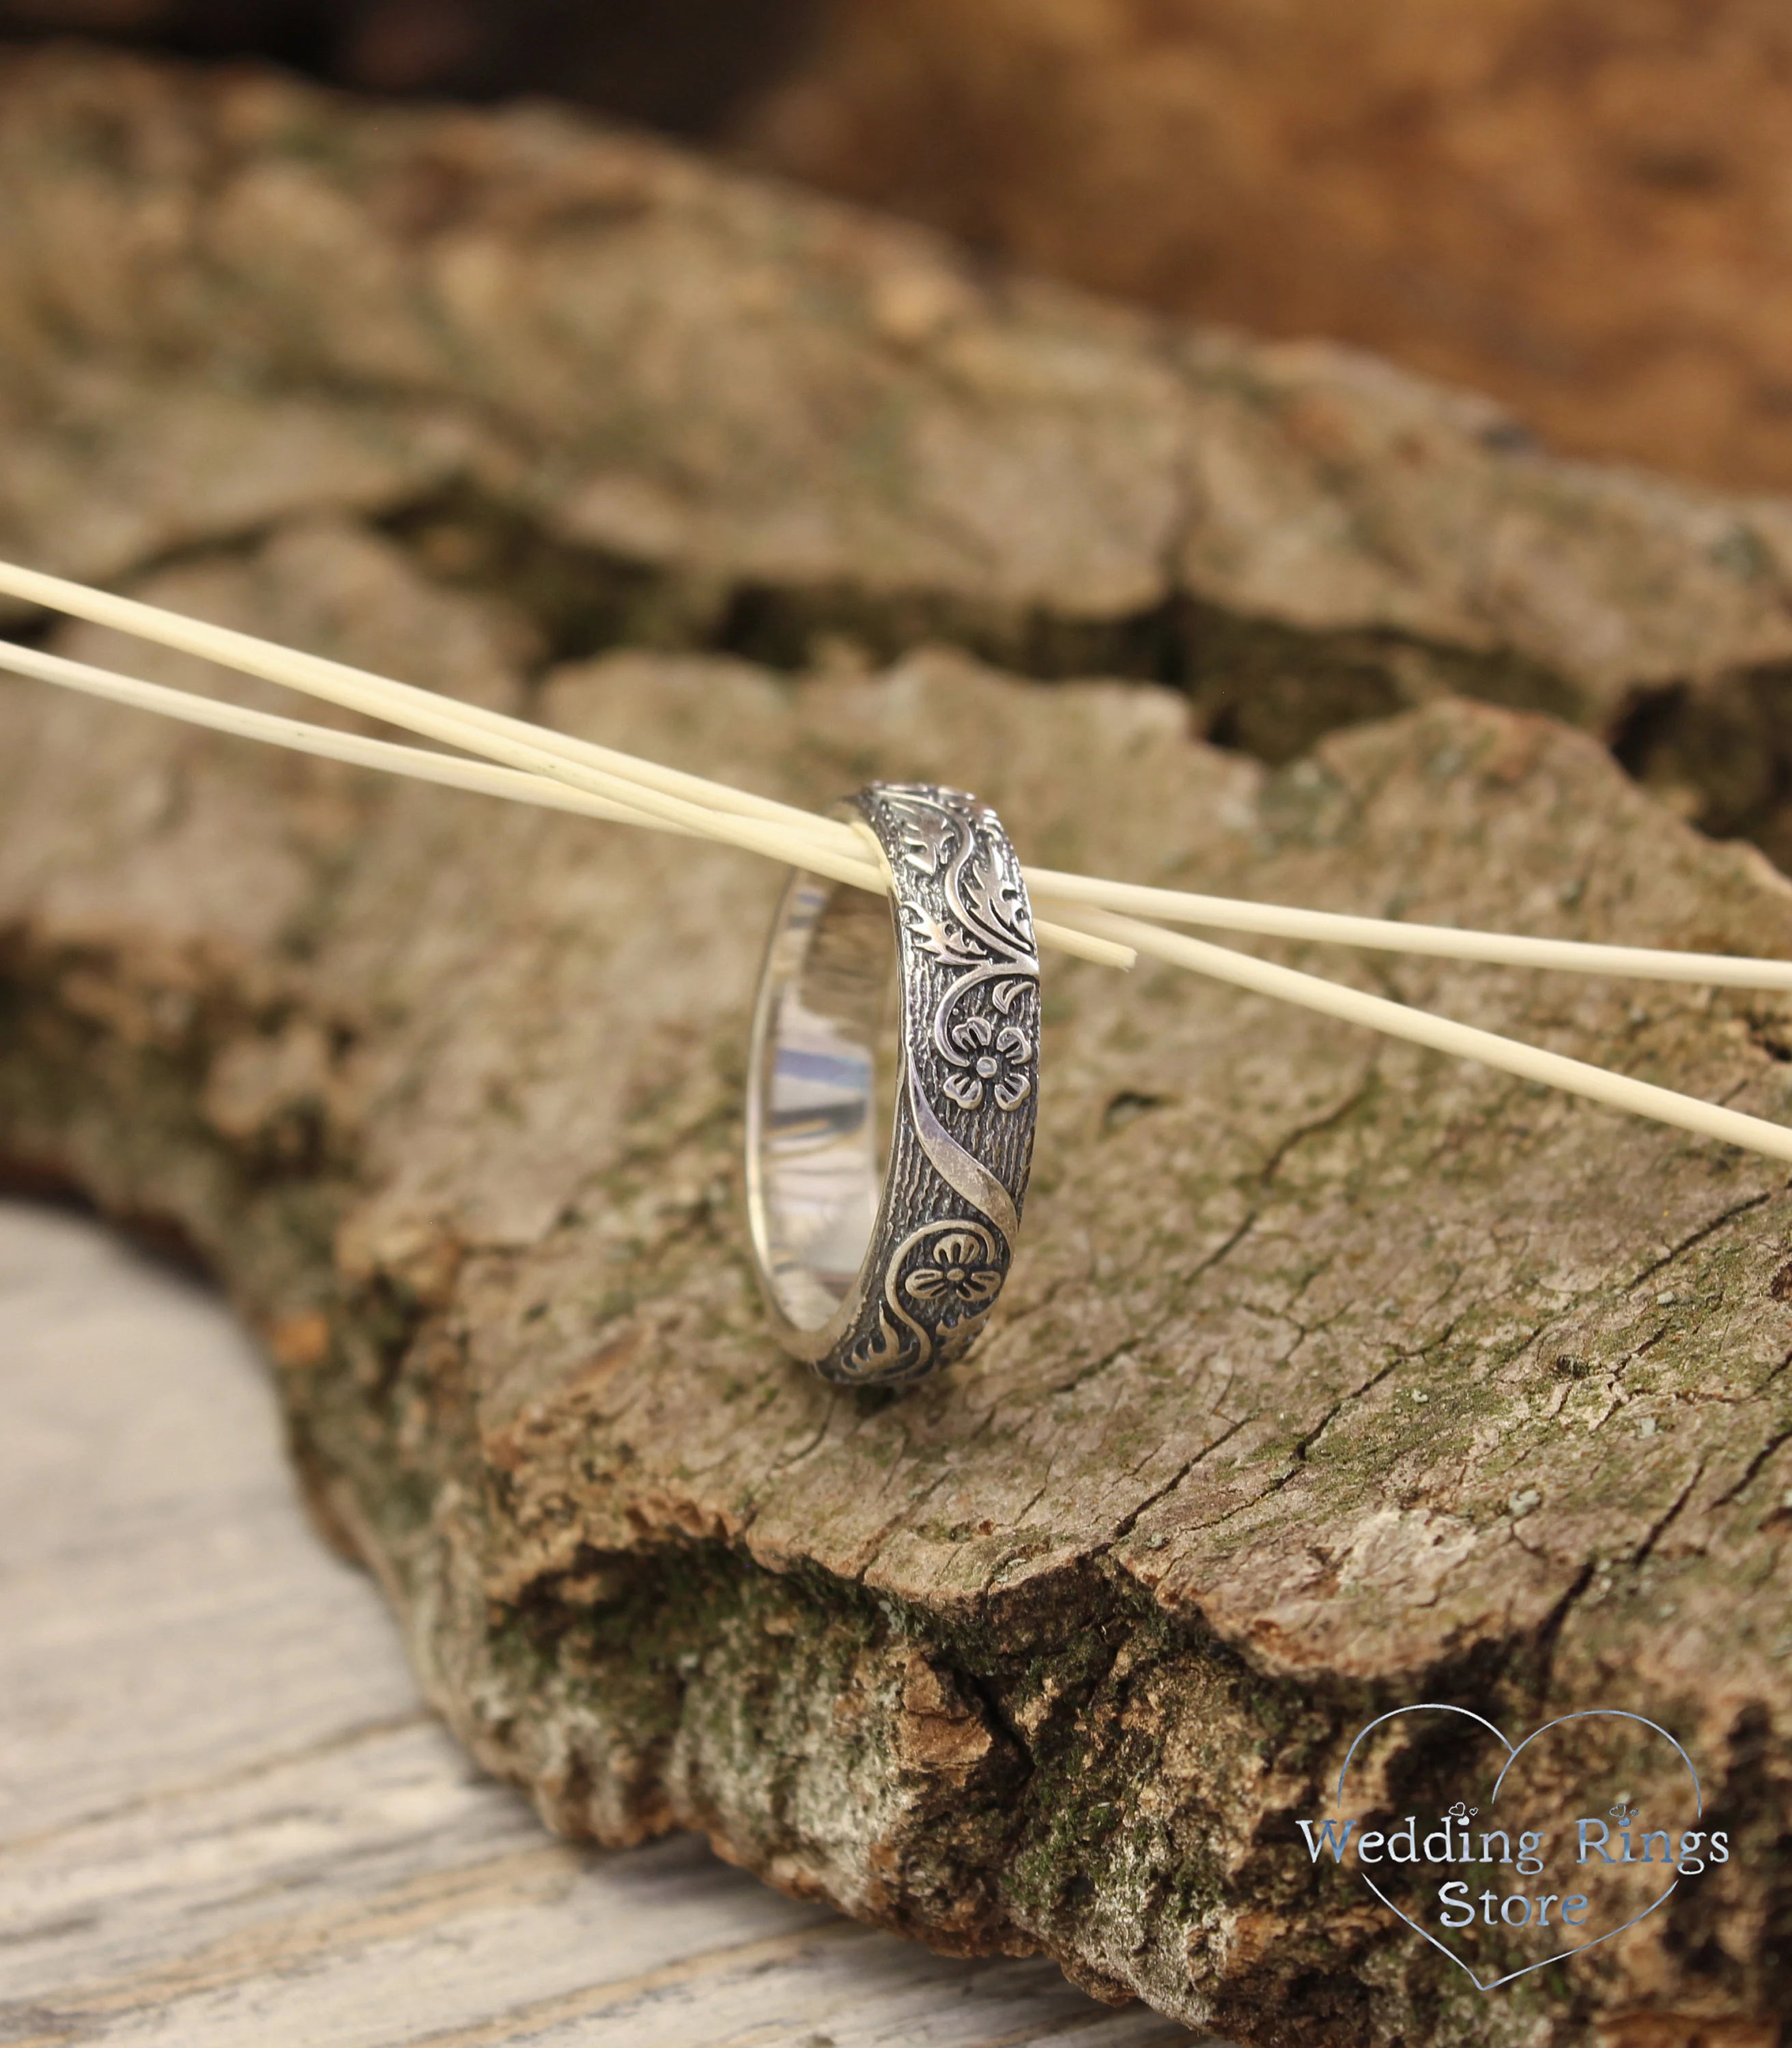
(228, 1819)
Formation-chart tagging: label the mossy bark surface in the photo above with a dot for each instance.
(1332, 1375)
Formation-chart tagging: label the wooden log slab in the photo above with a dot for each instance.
(1332, 1375)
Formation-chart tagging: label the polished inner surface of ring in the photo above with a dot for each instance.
(826, 1138)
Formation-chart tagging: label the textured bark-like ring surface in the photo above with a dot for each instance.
(893, 1093)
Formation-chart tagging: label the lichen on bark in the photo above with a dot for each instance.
(1046, 1654)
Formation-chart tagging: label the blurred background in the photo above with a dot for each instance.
(1583, 206)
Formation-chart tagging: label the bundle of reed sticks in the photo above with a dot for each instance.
(1111, 922)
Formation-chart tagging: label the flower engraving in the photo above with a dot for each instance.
(996, 1057)
(957, 1277)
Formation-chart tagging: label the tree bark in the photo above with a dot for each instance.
(671, 406)
(1332, 1376)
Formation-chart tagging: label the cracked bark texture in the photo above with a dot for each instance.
(1321, 1384)
(1331, 1375)
(684, 408)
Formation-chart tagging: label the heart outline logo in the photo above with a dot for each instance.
(1514, 1751)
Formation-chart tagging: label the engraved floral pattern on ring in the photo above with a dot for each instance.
(957, 1280)
(967, 1089)
(986, 936)
(998, 1054)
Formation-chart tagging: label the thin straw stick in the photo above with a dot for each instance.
(1097, 933)
(1177, 906)
(675, 797)
(483, 778)
(450, 769)
(443, 718)
(1441, 1034)
(516, 741)
(826, 849)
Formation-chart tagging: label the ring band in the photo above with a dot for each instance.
(883, 1243)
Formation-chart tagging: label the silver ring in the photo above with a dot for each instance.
(881, 1241)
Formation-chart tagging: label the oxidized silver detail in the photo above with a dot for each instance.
(878, 1269)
